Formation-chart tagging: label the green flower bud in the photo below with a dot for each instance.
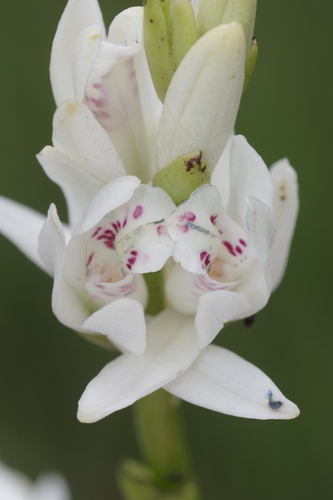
(250, 63)
(169, 32)
(183, 176)
(214, 12)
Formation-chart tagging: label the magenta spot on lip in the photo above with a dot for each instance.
(229, 247)
(207, 260)
(238, 249)
(129, 266)
(213, 219)
(125, 222)
(134, 252)
(203, 255)
(183, 229)
(90, 258)
(115, 226)
(242, 242)
(187, 216)
(97, 85)
(132, 261)
(137, 212)
(190, 216)
(98, 285)
(96, 232)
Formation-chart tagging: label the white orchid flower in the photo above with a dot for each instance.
(224, 240)
(109, 133)
(16, 486)
(98, 285)
(227, 267)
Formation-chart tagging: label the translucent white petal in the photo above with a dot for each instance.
(203, 98)
(79, 186)
(78, 15)
(262, 229)
(171, 349)
(50, 486)
(84, 54)
(222, 381)
(221, 177)
(66, 302)
(114, 194)
(215, 309)
(22, 225)
(122, 322)
(285, 214)
(249, 177)
(79, 136)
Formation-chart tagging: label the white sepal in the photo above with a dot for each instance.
(22, 225)
(78, 15)
(171, 349)
(285, 214)
(222, 381)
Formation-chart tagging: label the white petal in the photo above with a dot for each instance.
(285, 214)
(50, 487)
(143, 244)
(52, 242)
(79, 186)
(203, 98)
(78, 15)
(262, 229)
(249, 177)
(114, 194)
(171, 348)
(66, 303)
(222, 381)
(84, 54)
(127, 27)
(221, 177)
(113, 95)
(22, 225)
(215, 309)
(122, 322)
(79, 136)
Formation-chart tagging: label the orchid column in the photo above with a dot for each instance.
(176, 226)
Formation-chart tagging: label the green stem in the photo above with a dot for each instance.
(160, 432)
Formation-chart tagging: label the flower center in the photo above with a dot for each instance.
(105, 273)
(222, 271)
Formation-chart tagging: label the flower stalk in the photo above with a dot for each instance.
(160, 432)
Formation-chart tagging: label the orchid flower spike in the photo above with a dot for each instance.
(152, 186)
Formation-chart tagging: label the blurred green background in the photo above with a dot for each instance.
(44, 367)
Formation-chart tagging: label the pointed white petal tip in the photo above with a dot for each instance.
(222, 381)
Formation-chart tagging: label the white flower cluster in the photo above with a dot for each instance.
(222, 251)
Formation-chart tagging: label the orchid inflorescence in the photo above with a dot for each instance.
(160, 190)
